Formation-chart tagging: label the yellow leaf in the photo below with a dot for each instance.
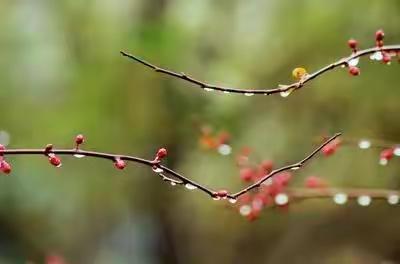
(299, 73)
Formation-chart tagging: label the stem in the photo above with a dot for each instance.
(281, 88)
(160, 169)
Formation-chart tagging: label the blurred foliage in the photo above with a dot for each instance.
(61, 74)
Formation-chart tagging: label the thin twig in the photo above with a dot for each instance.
(162, 170)
(279, 89)
(294, 166)
(351, 193)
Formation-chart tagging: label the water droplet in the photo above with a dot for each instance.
(396, 151)
(216, 198)
(59, 165)
(245, 210)
(383, 161)
(364, 144)
(393, 199)
(281, 199)
(227, 92)
(190, 186)
(286, 93)
(232, 200)
(295, 168)
(208, 89)
(376, 56)
(224, 149)
(364, 200)
(4, 137)
(353, 62)
(79, 156)
(248, 94)
(340, 198)
(267, 182)
(157, 169)
(343, 66)
(173, 183)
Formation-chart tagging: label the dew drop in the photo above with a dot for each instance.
(267, 182)
(340, 198)
(216, 198)
(281, 199)
(248, 94)
(190, 186)
(364, 200)
(396, 151)
(79, 156)
(364, 144)
(295, 168)
(286, 93)
(157, 169)
(227, 92)
(393, 199)
(232, 200)
(224, 149)
(59, 165)
(4, 137)
(245, 210)
(208, 89)
(173, 183)
(353, 62)
(376, 56)
(383, 161)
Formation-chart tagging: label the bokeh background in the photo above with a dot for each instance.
(61, 74)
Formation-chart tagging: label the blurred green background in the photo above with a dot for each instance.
(61, 74)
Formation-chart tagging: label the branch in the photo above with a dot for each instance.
(280, 89)
(252, 207)
(351, 193)
(155, 165)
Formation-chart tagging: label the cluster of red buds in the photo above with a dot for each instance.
(380, 55)
(5, 167)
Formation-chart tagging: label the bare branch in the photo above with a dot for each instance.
(175, 179)
(280, 89)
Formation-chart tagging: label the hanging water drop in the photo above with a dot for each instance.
(364, 144)
(281, 199)
(286, 93)
(353, 62)
(224, 149)
(216, 198)
(172, 183)
(232, 200)
(59, 165)
(79, 156)
(393, 199)
(227, 92)
(295, 168)
(364, 200)
(245, 210)
(208, 89)
(383, 161)
(190, 186)
(396, 151)
(248, 94)
(157, 169)
(340, 198)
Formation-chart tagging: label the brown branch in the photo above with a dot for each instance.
(161, 170)
(328, 193)
(281, 88)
